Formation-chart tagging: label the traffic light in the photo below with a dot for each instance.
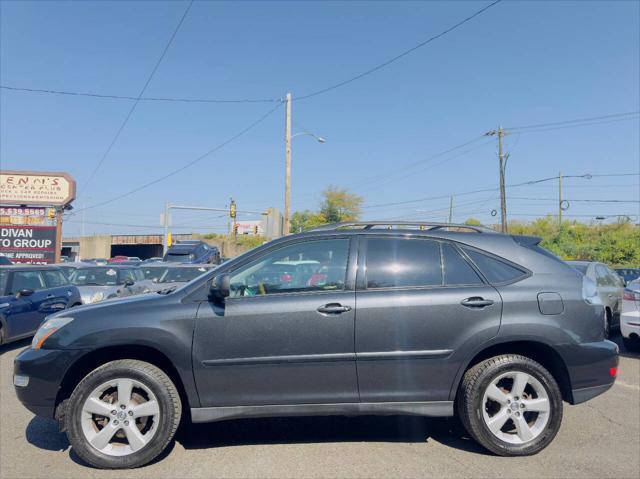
(232, 209)
(255, 230)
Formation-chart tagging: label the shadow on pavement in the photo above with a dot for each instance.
(44, 434)
(23, 343)
(624, 352)
(301, 430)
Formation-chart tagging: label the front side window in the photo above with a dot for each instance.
(4, 277)
(394, 263)
(457, 271)
(494, 270)
(128, 273)
(27, 280)
(55, 279)
(310, 266)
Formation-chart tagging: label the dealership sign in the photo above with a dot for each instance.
(36, 188)
(28, 244)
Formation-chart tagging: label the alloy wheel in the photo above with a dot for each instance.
(120, 417)
(516, 407)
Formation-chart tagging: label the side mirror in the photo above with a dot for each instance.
(24, 292)
(129, 282)
(220, 287)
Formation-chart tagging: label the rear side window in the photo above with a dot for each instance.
(55, 279)
(457, 271)
(27, 280)
(4, 276)
(393, 263)
(494, 270)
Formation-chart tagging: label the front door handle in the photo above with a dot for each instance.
(476, 302)
(333, 308)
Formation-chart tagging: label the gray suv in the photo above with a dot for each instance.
(359, 318)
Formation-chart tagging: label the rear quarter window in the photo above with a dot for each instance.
(495, 270)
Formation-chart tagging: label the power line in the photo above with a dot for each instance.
(513, 185)
(189, 164)
(399, 56)
(577, 125)
(144, 98)
(137, 100)
(573, 200)
(564, 122)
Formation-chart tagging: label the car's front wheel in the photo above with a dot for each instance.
(123, 415)
(511, 405)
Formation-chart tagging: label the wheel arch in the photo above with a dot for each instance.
(539, 351)
(90, 361)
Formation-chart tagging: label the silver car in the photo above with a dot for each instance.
(610, 287)
(174, 275)
(97, 283)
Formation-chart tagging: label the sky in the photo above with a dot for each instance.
(519, 63)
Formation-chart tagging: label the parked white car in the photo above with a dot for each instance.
(630, 317)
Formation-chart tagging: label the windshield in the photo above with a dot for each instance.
(580, 267)
(181, 275)
(95, 277)
(179, 256)
(154, 273)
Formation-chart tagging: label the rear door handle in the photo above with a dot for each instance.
(333, 308)
(476, 302)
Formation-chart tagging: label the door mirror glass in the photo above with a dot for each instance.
(220, 286)
(128, 282)
(25, 292)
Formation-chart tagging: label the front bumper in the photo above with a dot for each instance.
(45, 370)
(592, 368)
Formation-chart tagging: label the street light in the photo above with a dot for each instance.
(287, 154)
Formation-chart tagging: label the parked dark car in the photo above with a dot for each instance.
(4, 261)
(194, 252)
(419, 319)
(628, 274)
(28, 293)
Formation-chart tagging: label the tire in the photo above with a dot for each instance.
(630, 344)
(150, 433)
(607, 324)
(477, 409)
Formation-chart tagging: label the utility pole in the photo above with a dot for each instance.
(166, 228)
(451, 210)
(287, 168)
(503, 161)
(559, 200)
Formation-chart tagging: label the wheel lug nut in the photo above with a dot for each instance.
(122, 406)
(115, 423)
(113, 412)
(521, 406)
(517, 414)
(131, 413)
(126, 423)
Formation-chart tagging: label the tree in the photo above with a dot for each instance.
(337, 205)
(340, 205)
(473, 222)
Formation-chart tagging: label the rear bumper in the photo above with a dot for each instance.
(592, 368)
(630, 323)
(45, 370)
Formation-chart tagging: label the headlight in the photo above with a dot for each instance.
(95, 297)
(49, 327)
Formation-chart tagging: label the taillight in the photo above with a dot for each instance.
(630, 295)
(613, 372)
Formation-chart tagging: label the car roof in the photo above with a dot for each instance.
(27, 267)
(583, 263)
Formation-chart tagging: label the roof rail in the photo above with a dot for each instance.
(424, 225)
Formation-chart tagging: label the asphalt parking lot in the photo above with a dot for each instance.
(598, 439)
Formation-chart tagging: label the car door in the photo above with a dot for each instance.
(606, 289)
(26, 312)
(59, 290)
(278, 339)
(411, 318)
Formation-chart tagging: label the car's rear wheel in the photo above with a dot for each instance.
(511, 405)
(123, 414)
